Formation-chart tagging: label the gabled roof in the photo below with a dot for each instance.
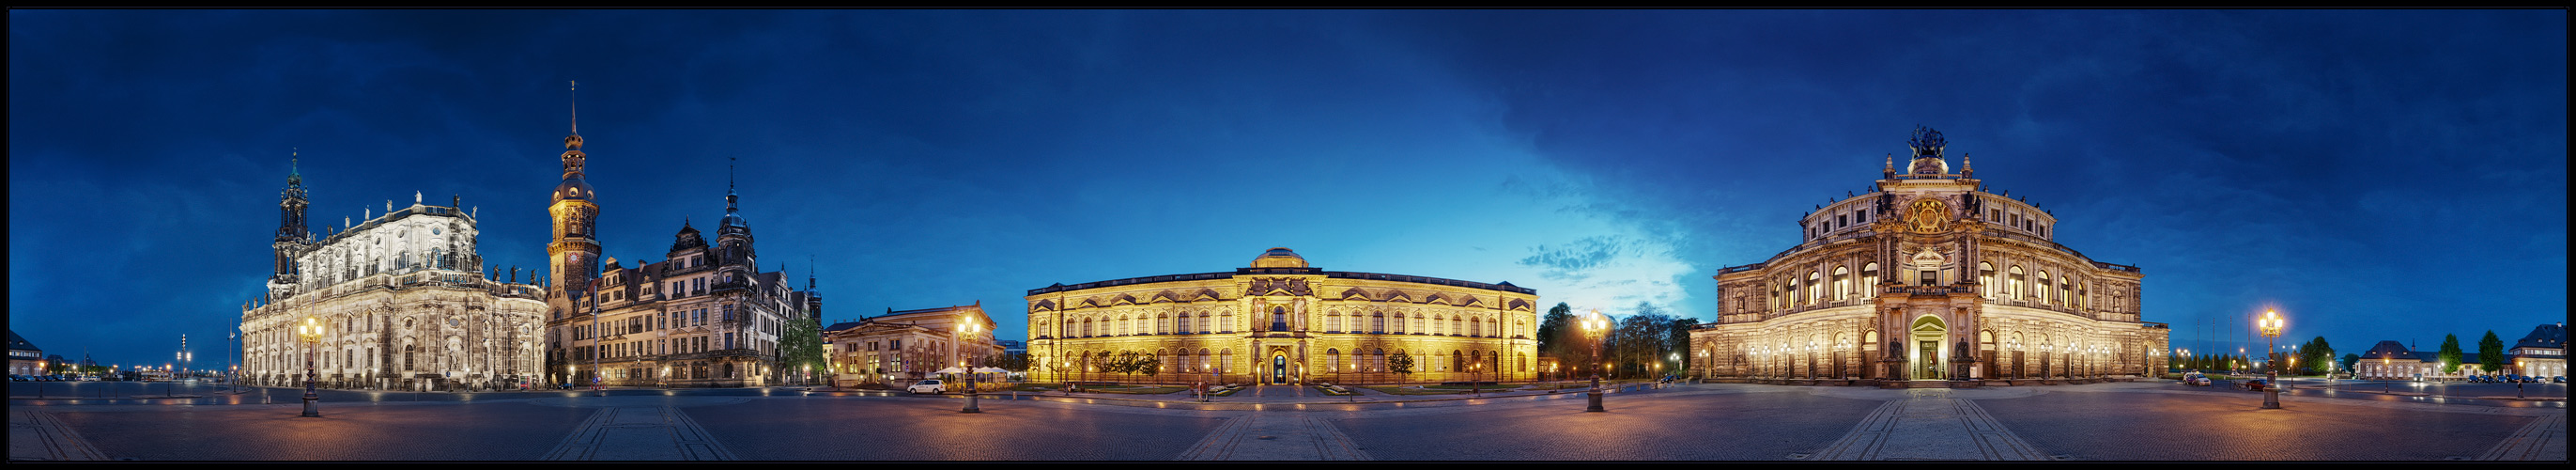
(2544, 336)
(18, 343)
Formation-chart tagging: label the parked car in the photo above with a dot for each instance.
(2195, 379)
(927, 386)
(2558, 379)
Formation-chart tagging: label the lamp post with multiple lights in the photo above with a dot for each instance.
(2271, 325)
(1594, 324)
(311, 333)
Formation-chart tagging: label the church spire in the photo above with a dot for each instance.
(730, 198)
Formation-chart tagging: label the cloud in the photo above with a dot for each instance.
(1581, 255)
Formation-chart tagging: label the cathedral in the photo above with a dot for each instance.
(703, 316)
(1928, 276)
(402, 301)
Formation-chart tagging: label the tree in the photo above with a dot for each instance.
(2450, 354)
(800, 349)
(1401, 364)
(2348, 361)
(1641, 340)
(2316, 357)
(1148, 364)
(1015, 362)
(1678, 342)
(2491, 353)
(1125, 363)
(1553, 329)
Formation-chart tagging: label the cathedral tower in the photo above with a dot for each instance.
(291, 231)
(736, 260)
(573, 256)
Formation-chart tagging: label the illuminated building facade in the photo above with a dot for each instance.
(24, 357)
(2542, 353)
(1928, 276)
(910, 344)
(1281, 321)
(403, 300)
(704, 316)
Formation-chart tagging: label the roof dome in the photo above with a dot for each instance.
(1279, 258)
(573, 189)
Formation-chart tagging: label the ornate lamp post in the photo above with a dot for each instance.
(965, 330)
(2271, 324)
(1593, 324)
(311, 333)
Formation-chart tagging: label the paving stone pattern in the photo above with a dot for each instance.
(1929, 425)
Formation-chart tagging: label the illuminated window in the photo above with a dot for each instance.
(1842, 283)
(1377, 322)
(1815, 287)
(2013, 285)
(2043, 286)
(1333, 322)
(1869, 280)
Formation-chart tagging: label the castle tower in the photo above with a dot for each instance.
(573, 257)
(733, 240)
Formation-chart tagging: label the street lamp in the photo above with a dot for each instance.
(965, 330)
(311, 333)
(2271, 324)
(1593, 324)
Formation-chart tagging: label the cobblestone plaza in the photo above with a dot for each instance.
(2152, 420)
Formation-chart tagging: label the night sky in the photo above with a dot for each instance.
(2372, 174)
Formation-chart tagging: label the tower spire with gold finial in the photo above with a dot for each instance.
(1890, 170)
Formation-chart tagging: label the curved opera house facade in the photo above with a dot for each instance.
(1928, 277)
(1281, 321)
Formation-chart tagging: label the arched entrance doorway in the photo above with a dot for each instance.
(1279, 368)
(1926, 352)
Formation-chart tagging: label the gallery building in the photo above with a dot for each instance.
(1928, 276)
(1282, 321)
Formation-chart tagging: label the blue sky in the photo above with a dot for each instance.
(2372, 174)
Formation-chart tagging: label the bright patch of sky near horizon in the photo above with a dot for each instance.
(2300, 159)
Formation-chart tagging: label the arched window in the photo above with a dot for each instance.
(1815, 287)
(1457, 326)
(1224, 360)
(1086, 327)
(1377, 322)
(1842, 283)
(1204, 325)
(1378, 363)
(2065, 286)
(1333, 321)
(1225, 321)
(1476, 327)
(1333, 360)
(1417, 322)
(1792, 291)
(1163, 324)
(2013, 285)
(2042, 293)
(1986, 279)
(1869, 280)
(1278, 318)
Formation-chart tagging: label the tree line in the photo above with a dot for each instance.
(1648, 342)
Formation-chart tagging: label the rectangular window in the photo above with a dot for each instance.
(1842, 221)
(1931, 277)
(1862, 217)
(728, 341)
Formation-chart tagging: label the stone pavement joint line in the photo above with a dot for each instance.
(1929, 425)
(2544, 439)
(1275, 436)
(639, 433)
(37, 435)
